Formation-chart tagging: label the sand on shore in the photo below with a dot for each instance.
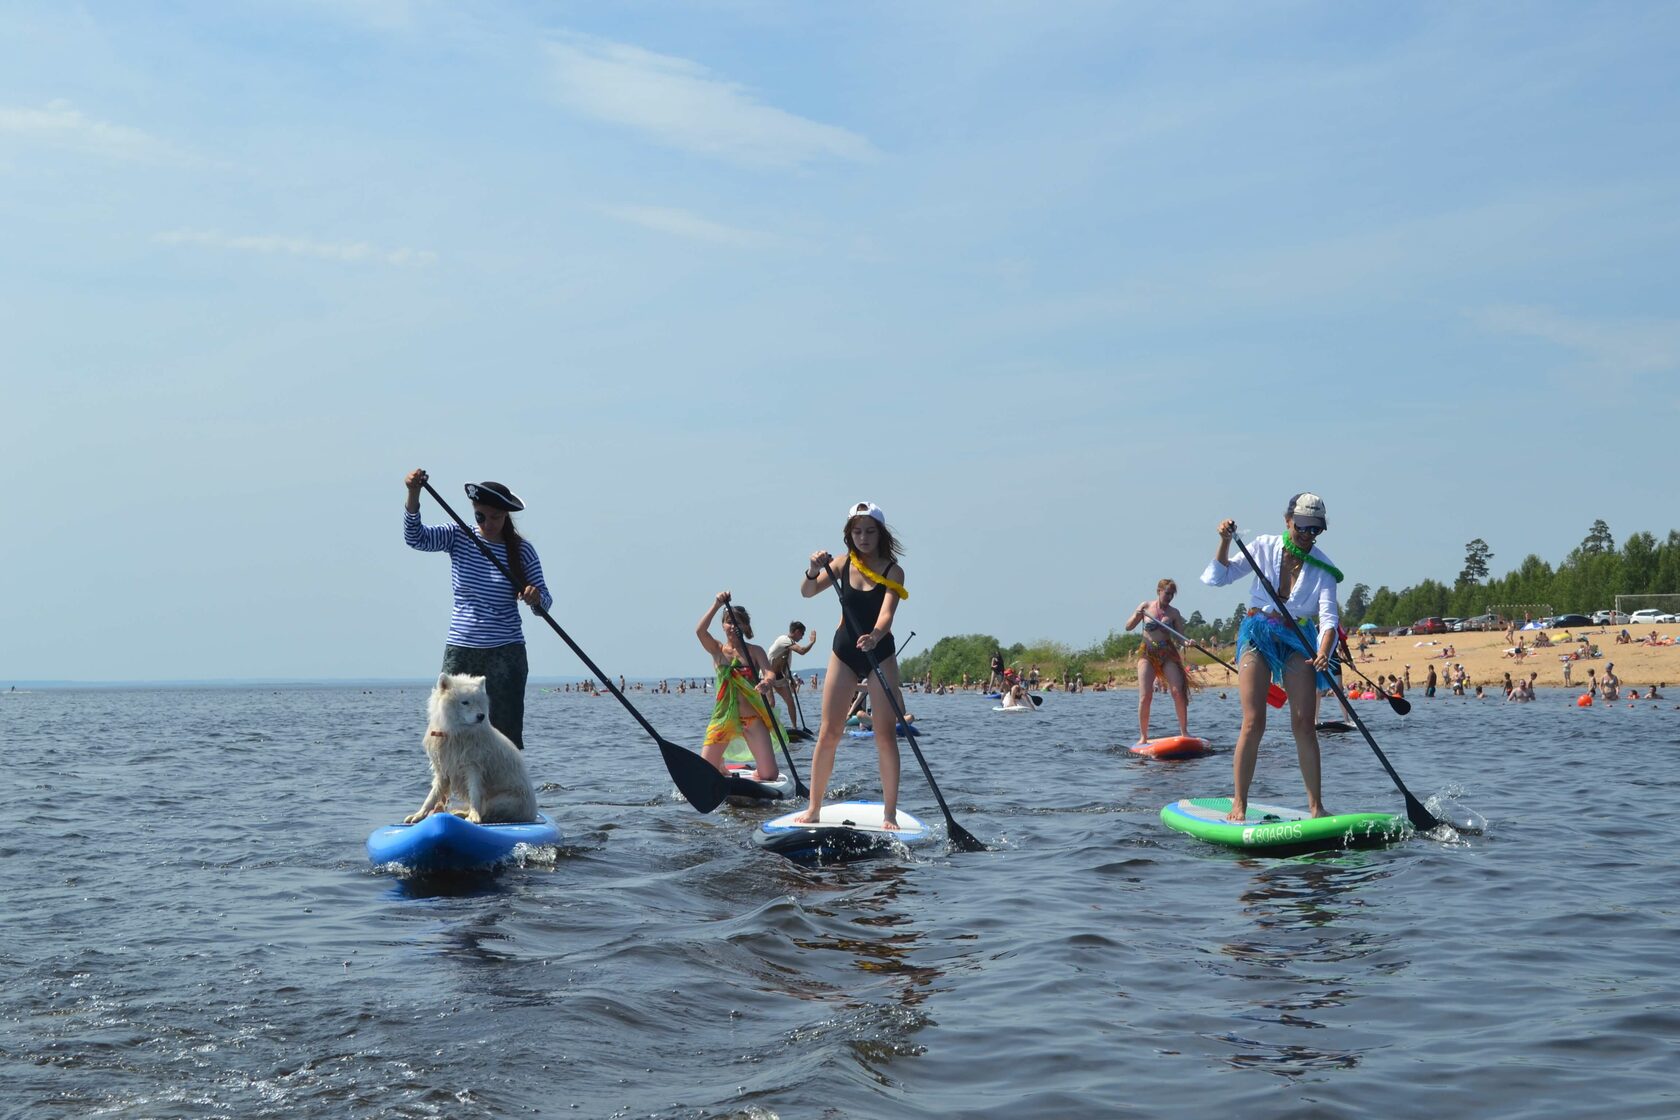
(1484, 658)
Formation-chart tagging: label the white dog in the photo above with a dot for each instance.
(471, 758)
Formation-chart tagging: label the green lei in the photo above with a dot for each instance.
(1294, 550)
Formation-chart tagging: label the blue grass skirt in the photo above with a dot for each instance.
(1276, 641)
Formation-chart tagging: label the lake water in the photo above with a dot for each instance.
(192, 928)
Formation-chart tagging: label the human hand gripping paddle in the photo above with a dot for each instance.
(961, 839)
(1422, 819)
(799, 788)
(697, 779)
(1275, 696)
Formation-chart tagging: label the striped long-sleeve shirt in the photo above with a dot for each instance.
(486, 611)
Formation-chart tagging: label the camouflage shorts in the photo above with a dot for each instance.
(504, 670)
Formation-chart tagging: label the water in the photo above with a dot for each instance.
(192, 929)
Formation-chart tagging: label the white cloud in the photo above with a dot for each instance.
(62, 123)
(680, 103)
(354, 252)
(1616, 346)
(681, 223)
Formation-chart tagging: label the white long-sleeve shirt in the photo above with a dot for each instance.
(1314, 592)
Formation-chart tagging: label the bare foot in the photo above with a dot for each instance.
(809, 816)
(889, 822)
(1239, 811)
(1142, 741)
(1319, 811)
(757, 777)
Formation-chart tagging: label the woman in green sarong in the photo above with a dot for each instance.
(743, 681)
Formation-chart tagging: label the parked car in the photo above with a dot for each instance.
(1489, 621)
(1609, 618)
(1452, 623)
(1431, 625)
(1647, 616)
(1571, 621)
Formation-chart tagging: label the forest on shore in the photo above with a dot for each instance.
(1587, 580)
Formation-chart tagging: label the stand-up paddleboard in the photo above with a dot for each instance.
(991, 695)
(846, 830)
(1333, 726)
(1275, 830)
(1014, 708)
(904, 730)
(744, 790)
(444, 842)
(1179, 746)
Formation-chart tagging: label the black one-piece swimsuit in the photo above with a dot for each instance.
(865, 606)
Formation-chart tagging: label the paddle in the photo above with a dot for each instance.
(1275, 696)
(1422, 819)
(961, 839)
(1400, 704)
(775, 724)
(697, 779)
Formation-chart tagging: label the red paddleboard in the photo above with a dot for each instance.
(1179, 746)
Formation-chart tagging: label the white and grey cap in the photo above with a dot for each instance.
(1306, 509)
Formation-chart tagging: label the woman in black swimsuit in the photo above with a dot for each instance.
(871, 584)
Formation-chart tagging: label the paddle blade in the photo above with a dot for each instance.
(697, 780)
(1422, 819)
(962, 839)
(1276, 696)
(1400, 704)
(1038, 701)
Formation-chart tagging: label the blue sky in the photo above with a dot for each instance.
(1058, 285)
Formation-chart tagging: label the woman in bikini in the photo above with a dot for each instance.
(743, 680)
(1158, 657)
(1270, 649)
(871, 585)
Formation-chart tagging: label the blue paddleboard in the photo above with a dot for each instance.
(445, 842)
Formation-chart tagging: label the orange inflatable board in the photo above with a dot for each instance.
(1585, 701)
(1179, 746)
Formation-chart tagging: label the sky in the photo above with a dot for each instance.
(1058, 285)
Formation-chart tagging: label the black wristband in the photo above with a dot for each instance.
(812, 576)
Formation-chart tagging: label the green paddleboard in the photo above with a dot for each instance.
(1275, 830)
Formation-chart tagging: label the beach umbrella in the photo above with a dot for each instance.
(1369, 626)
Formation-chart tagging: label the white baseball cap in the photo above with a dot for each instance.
(1306, 509)
(866, 509)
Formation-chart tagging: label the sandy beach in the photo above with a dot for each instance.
(1484, 658)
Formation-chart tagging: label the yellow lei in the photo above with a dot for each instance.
(878, 580)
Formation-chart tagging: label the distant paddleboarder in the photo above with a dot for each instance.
(1270, 649)
(1159, 657)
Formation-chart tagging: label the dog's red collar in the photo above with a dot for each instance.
(439, 734)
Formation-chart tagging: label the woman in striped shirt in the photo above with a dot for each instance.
(485, 637)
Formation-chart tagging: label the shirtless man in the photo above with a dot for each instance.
(1158, 656)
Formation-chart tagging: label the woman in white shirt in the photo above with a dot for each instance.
(1272, 650)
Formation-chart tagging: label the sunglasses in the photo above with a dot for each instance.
(1310, 530)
